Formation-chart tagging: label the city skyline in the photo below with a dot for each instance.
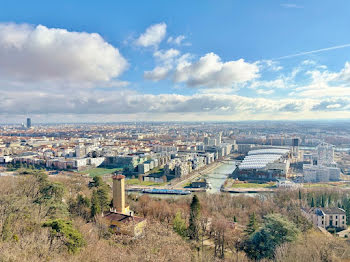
(85, 62)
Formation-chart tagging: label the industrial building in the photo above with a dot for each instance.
(270, 164)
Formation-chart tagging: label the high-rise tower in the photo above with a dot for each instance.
(29, 123)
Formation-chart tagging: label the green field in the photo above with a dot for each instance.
(98, 171)
(142, 183)
(252, 185)
(318, 185)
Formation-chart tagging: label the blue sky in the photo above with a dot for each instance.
(174, 60)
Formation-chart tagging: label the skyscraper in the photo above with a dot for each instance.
(29, 123)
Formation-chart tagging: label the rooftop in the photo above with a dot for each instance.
(119, 217)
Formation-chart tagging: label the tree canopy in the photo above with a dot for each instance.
(275, 231)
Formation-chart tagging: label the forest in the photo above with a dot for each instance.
(58, 218)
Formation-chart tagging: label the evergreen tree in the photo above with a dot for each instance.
(193, 228)
(252, 225)
(276, 231)
(64, 230)
(312, 202)
(98, 181)
(102, 193)
(322, 201)
(299, 194)
(234, 219)
(95, 204)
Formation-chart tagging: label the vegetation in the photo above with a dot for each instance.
(193, 228)
(231, 183)
(57, 218)
(252, 225)
(64, 231)
(100, 171)
(276, 231)
(137, 182)
(179, 225)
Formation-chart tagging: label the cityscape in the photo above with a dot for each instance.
(175, 131)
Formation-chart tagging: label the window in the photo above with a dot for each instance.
(343, 217)
(336, 217)
(336, 223)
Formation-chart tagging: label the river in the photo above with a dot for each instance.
(218, 176)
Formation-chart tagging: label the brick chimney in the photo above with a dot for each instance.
(119, 193)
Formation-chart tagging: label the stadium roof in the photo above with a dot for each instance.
(279, 151)
(259, 158)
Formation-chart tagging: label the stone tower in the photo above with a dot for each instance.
(119, 193)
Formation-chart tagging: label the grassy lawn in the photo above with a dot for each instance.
(318, 185)
(98, 171)
(252, 185)
(156, 170)
(187, 185)
(143, 183)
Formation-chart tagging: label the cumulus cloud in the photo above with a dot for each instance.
(326, 84)
(166, 59)
(344, 74)
(210, 71)
(152, 36)
(176, 40)
(166, 55)
(37, 53)
(158, 73)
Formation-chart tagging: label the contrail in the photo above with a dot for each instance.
(313, 51)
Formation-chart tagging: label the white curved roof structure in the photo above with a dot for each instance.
(257, 159)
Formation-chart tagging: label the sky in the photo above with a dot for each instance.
(110, 61)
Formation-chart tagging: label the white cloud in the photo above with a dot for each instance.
(166, 55)
(270, 65)
(176, 40)
(39, 53)
(138, 106)
(125, 102)
(333, 106)
(166, 60)
(308, 62)
(152, 36)
(158, 73)
(210, 71)
(344, 74)
(277, 83)
(326, 84)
